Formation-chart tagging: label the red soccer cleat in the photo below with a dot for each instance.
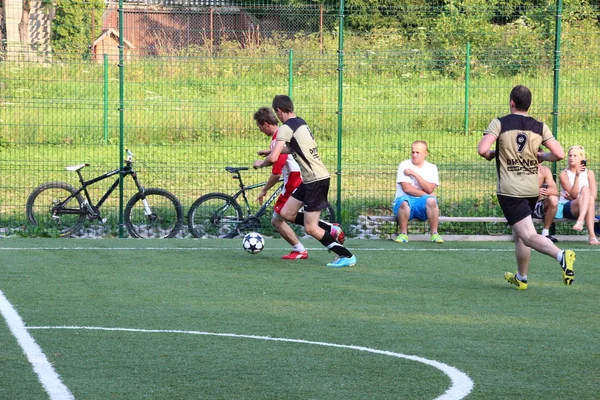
(338, 234)
(296, 255)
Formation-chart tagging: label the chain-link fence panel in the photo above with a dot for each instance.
(193, 72)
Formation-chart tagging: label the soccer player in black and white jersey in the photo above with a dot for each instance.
(518, 138)
(295, 137)
(288, 168)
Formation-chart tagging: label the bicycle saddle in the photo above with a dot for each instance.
(233, 170)
(76, 167)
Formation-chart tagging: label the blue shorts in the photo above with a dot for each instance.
(418, 206)
(567, 211)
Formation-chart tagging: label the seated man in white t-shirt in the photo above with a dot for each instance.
(415, 182)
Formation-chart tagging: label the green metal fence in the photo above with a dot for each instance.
(193, 72)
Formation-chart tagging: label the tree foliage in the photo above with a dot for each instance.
(77, 24)
(506, 36)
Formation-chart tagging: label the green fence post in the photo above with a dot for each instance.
(105, 98)
(467, 85)
(557, 33)
(291, 73)
(339, 112)
(121, 119)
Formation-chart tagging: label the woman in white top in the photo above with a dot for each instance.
(579, 192)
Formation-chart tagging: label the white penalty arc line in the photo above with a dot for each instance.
(47, 376)
(461, 384)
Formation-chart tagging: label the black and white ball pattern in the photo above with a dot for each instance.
(253, 243)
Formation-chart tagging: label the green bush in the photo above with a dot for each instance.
(77, 25)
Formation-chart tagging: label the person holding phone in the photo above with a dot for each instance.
(579, 191)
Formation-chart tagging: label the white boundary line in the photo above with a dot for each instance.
(401, 249)
(461, 384)
(225, 248)
(42, 367)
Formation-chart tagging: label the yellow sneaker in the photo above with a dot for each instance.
(513, 280)
(436, 238)
(401, 238)
(567, 267)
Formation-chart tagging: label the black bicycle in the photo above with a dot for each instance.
(220, 215)
(57, 208)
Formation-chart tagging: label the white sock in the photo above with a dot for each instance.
(299, 248)
(559, 257)
(521, 278)
(545, 232)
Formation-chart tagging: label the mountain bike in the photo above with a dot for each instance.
(221, 215)
(57, 208)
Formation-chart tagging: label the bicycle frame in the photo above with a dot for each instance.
(242, 192)
(91, 208)
(265, 204)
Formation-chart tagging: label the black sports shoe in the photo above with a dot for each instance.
(554, 240)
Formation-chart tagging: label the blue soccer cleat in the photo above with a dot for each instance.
(341, 262)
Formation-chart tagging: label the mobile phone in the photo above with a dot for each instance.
(545, 185)
(584, 162)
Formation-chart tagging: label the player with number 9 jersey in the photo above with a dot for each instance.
(518, 139)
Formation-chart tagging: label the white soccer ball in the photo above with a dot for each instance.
(253, 243)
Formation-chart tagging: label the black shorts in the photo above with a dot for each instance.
(539, 209)
(516, 209)
(313, 195)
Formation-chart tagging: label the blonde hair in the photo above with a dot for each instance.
(580, 148)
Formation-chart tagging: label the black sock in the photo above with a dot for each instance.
(325, 226)
(328, 241)
(299, 219)
(322, 224)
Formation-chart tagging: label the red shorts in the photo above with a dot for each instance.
(294, 180)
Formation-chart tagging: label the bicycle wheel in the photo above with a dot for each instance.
(155, 214)
(50, 219)
(214, 215)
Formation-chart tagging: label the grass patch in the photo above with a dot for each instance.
(454, 307)
(186, 120)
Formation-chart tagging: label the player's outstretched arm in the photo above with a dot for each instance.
(556, 153)
(484, 147)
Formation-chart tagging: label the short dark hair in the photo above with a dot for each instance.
(283, 103)
(265, 114)
(521, 96)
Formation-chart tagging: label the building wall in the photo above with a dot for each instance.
(13, 10)
(161, 30)
(109, 45)
(39, 27)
